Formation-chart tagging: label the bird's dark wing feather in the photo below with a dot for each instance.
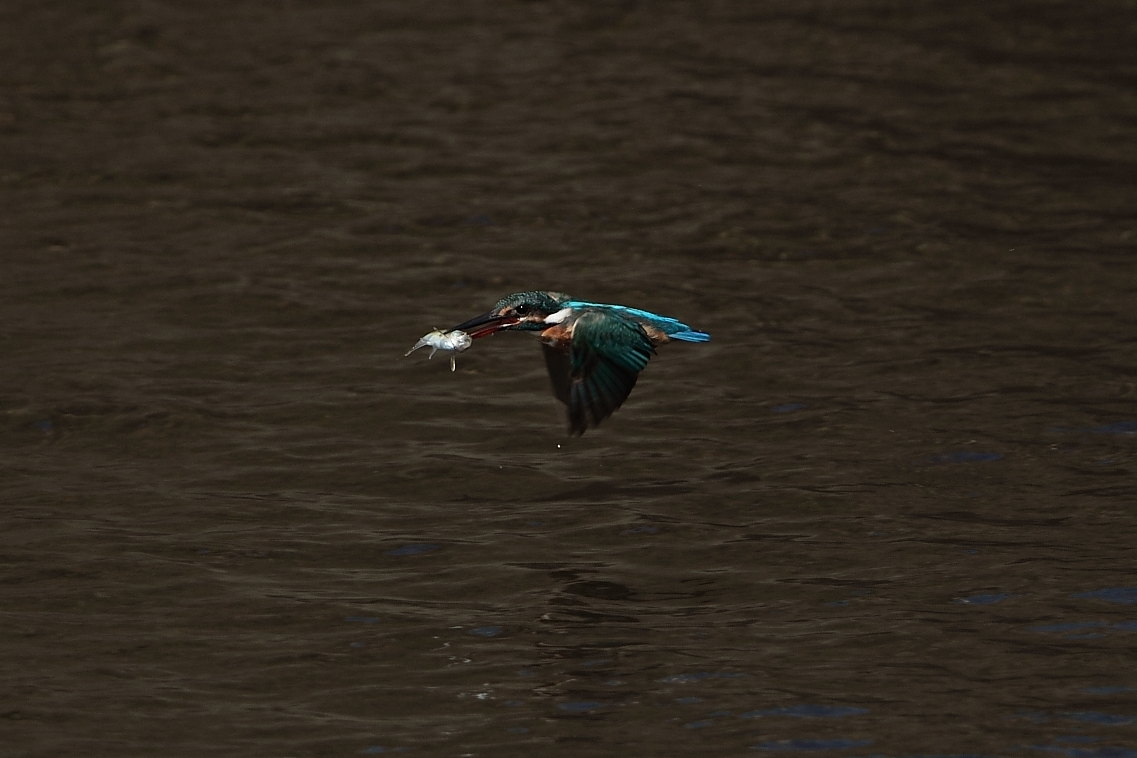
(560, 371)
(607, 354)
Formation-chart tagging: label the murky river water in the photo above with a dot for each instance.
(890, 510)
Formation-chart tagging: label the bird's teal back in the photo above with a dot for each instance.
(673, 328)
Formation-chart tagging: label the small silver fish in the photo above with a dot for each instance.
(454, 342)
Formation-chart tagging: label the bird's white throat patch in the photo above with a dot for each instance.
(559, 316)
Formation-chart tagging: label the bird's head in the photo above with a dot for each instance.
(521, 311)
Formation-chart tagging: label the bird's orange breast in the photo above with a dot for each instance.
(557, 335)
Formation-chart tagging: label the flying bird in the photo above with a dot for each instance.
(594, 351)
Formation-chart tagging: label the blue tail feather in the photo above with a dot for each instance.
(691, 336)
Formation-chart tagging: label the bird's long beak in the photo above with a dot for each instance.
(486, 324)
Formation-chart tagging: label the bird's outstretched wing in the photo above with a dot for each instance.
(606, 355)
(560, 369)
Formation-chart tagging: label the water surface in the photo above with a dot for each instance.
(888, 511)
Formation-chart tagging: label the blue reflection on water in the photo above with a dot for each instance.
(579, 706)
(382, 749)
(1096, 717)
(1122, 595)
(985, 599)
(414, 548)
(1117, 427)
(1084, 717)
(1086, 752)
(788, 407)
(1114, 427)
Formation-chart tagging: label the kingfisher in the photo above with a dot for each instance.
(594, 351)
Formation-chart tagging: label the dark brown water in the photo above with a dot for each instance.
(890, 510)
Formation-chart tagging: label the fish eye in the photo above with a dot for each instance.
(522, 309)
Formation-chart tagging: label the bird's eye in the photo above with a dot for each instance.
(521, 310)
